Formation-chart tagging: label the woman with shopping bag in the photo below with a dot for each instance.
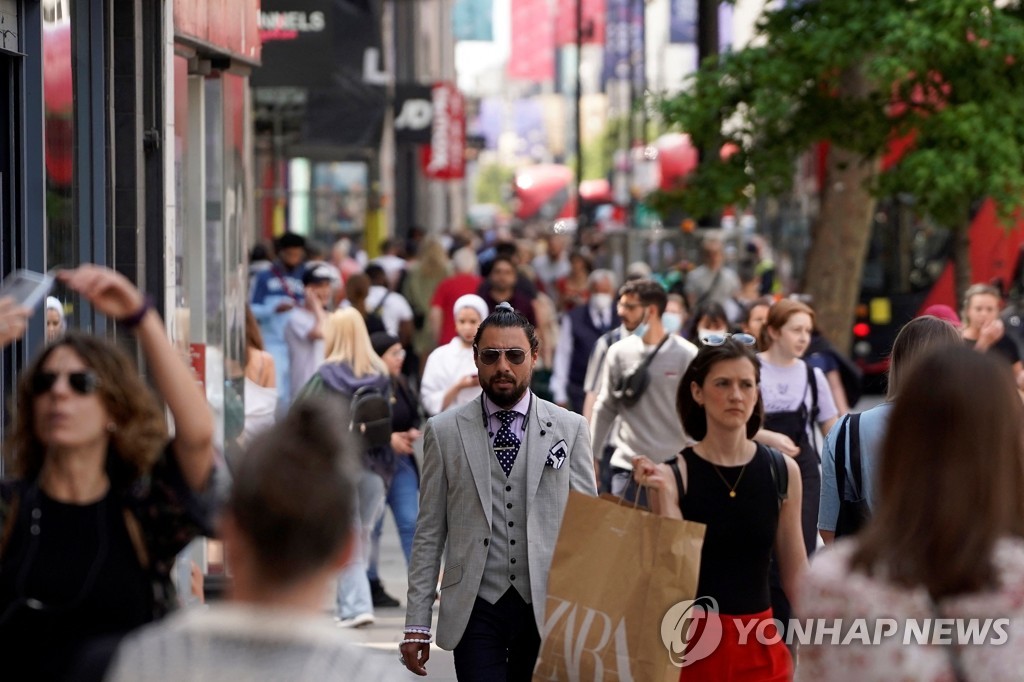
(747, 494)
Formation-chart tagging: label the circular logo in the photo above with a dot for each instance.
(691, 630)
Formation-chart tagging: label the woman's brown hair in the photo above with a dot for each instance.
(951, 476)
(140, 431)
(778, 316)
(357, 288)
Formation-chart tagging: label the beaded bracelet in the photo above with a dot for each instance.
(416, 641)
(133, 320)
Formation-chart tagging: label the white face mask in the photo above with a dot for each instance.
(601, 301)
(672, 322)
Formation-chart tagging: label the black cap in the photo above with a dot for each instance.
(290, 240)
(382, 341)
(318, 274)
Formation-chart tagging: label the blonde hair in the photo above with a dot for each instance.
(433, 260)
(346, 340)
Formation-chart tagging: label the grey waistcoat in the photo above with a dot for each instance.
(507, 552)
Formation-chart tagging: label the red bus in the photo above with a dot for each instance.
(909, 267)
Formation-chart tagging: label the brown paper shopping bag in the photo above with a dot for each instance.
(616, 571)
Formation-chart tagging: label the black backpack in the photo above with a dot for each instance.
(369, 410)
(371, 416)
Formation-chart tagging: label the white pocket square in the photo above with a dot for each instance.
(556, 455)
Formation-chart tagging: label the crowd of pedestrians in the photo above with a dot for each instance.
(469, 386)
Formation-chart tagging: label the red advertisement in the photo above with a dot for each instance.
(197, 360)
(532, 56)
(445, 157)
(592, 27)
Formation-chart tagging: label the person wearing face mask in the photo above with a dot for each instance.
(649, 424)
(580, 329)
(675, 314)
(709, 318)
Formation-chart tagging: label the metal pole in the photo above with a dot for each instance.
(579, 117)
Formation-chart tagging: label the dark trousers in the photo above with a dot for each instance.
(501, 642)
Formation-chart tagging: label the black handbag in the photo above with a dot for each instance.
(630, 387)
(854, 513)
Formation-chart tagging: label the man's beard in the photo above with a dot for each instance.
(506, 399)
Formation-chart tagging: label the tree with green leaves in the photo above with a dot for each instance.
(946, 74)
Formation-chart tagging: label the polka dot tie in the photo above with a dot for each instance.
(506, 443)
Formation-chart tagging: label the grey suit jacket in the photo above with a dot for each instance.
(455, 508)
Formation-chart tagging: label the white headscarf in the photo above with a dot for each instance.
(53, 303)
(471, 301)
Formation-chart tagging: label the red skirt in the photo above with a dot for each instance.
(749, 652)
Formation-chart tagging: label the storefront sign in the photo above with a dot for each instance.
(445, 157)
(331, 51)
(414, 113)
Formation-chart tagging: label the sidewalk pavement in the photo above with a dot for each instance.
(383, 636)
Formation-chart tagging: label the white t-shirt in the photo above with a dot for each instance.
(394, 311)
(304, 355)
(782, 388)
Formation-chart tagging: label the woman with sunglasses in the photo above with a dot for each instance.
(103, 501)
(748, 496)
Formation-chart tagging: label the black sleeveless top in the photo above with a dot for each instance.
(740, 532)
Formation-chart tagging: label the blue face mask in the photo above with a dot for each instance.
(641, 328)
(673, 322)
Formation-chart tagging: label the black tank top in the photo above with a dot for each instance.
(740, 530)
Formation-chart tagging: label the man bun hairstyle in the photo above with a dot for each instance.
(505, 316)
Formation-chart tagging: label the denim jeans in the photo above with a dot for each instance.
(353, 586)
(404, 499)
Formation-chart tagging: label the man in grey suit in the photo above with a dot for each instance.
(496, 477)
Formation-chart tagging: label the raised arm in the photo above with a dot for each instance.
(114, 295)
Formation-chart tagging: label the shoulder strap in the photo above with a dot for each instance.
(855, 455)
(650, 356)
(780, 473)
(674, 465)
(284, 283)
(839, 456)
(812, 385)
(380, 306)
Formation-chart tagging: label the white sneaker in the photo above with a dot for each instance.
(358, 621)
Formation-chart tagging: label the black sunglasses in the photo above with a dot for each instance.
(82, 383)
(489, 356)
(719, 339)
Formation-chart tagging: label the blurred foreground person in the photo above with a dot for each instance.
(945, 539)
(103, 500)
(287, 531)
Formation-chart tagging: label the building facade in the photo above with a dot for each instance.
(124, 141)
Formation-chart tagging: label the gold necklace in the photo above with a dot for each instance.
(732, 488)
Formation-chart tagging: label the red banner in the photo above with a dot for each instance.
(592, 27)
(532, 56)
(445, 157)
